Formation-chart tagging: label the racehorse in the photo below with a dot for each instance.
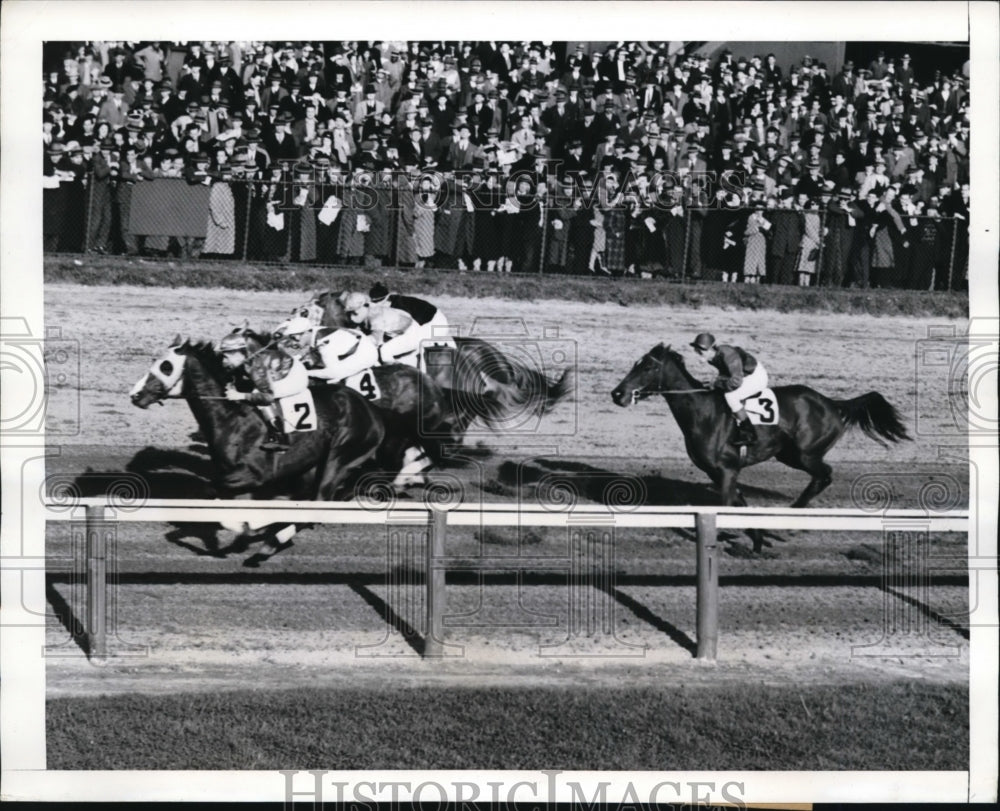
(347, 431)
(412, 403)
(809, 425)
(481, 381)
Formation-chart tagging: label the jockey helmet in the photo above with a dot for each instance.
(294, 326)
(704, 342)
(233, 342)
(379, 292)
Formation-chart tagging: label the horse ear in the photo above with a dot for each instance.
(177, 340)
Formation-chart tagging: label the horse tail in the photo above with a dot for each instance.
(875, 416)
(530, 391)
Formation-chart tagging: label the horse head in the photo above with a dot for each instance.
(325, 309)
(653, 373)
(167, 376)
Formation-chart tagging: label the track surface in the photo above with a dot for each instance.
(340, 608)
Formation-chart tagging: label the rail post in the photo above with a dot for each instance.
(951, 258)
(708, 586)
(97, 583)
(435, 573)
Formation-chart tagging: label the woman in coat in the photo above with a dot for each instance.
(220, 236)
(353, 222)
(755, 239)
(809, 246)
(486, 200)
(424, 212)
(887, 226)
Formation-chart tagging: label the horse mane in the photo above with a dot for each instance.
(205, 353)
(663, 352)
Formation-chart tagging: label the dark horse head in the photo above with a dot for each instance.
(325, 309)
(170, 374)
(660, 370)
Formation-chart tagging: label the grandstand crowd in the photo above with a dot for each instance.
(634, 158)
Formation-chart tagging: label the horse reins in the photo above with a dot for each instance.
(641, 394)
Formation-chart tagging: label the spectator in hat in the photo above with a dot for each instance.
(461, 151)
(809, 246)
(131, 172)
(305, 131)
(785, 240)
(884, 229)
(268, 234)
(931, 242)
(480, 116)
(105, 172)
(113, 109)
(56, 177)
(117, 70)
(280, 143)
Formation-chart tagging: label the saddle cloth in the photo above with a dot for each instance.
(365, 384)
(298, 411)
(762, 408)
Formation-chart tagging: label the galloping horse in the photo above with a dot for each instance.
(482, 382)
(408, 399)
(348, 431)
(809, 425)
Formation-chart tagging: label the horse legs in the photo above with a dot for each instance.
(812, 464)
(733, 496)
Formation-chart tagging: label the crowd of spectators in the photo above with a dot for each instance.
(634, 158)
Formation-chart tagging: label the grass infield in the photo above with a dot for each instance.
(526, 287)
(753, 726)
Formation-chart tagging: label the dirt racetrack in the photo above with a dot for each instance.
(120, 330)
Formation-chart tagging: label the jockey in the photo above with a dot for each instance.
(396, 334)
(240, 386)
(740, 376)
(329, 355)
(432, 322)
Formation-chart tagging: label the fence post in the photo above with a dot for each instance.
(822, 245)
(88, 211)
(708, 586)
(687, 242)
(951, 258)
(246, 228)
(544, 240)
(97, 584)
(434, 578)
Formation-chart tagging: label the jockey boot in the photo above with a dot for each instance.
(277, 439)
(746, 434)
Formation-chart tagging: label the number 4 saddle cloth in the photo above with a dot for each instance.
(762, 408)
(365, 384)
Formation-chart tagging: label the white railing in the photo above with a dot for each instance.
(705, 520)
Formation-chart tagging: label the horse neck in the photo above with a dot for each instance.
(675, 378)
(199, 386)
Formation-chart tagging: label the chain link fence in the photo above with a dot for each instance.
(400, 221)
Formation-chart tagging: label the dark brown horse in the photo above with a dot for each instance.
(480, 381)
(348, 430)
(809, 425)
(410, 402)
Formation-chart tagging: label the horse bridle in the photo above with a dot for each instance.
(642, 394)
